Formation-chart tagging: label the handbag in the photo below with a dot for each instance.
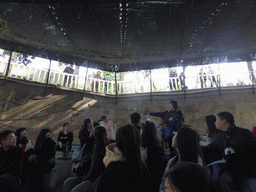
(84, 165)
(77, 155)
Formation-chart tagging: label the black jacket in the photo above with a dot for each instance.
(177, 116)
(66, 138)
(116, 177)
(10, 161)
(46, 154)
(240, 164)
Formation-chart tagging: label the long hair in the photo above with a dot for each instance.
(41, 138)
(102, 118)
(128, 141)
(149, 134)
(17, 134)
(84, 129)
(211, 128)
(188, 144)
(189, 176)
(100, 143)
(19, 130)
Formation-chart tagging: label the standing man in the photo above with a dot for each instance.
(211, 77)
(172, 83)
(202, 76)
(106, 83)
(238, 147)
(69, 69)
(10, 162)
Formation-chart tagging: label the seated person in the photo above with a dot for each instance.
(188, 176)
(41, 161)
(92, 165)
(125, 170)
(238, 147)
(65, 139)
(152, 153)
(186, 143)
(10, 161)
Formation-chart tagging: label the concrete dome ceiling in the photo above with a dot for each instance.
(131, 35)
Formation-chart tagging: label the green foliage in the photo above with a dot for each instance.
(5, 27)
(111, 75)
(6, 52)
(62, 63)
(43, 45)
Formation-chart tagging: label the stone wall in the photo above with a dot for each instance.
(36, 106)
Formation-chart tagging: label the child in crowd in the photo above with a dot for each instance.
(160, 129)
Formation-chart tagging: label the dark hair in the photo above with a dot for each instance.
(189, 176)
(41, 138)
(17, 134)
(135, 118)
(174, 104)
(84, 129)
(103, 118)
(65, 124)
(4, 134)
(18, 131)
(188, 144)
(211, 128)
(100, 142)
(228, 116)
(95, 124)
(149, 134)
(107, 74)
(128, 141)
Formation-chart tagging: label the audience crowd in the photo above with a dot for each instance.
(134, 156)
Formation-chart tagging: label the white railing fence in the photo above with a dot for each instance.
(123, 87)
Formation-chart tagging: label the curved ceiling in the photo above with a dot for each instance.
(131, 35)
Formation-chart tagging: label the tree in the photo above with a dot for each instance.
(24, 59)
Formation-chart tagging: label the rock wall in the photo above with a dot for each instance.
(36, 106)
